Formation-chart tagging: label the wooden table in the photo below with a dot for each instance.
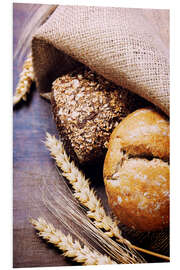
(32, 165)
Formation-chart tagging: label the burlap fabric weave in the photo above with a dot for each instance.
(127, 46)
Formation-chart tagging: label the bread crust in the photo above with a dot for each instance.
(136, 171)
(86, 108)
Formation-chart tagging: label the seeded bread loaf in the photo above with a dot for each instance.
(86, 109)
(136, 171)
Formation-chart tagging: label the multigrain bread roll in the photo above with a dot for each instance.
(136, 171)
(86, 109)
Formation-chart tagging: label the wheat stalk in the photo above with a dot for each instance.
(25, 80)
(71, 248)
(86, 195)
(82, 190)
(60, 201)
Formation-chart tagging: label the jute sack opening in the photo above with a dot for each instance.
(127, 46)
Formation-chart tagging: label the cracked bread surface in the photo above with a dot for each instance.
(136, 171)
(86, 109)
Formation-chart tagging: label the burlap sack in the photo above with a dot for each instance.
(127, 46)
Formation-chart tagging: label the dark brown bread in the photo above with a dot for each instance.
(87, 108)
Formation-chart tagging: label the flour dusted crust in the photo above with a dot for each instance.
(87, 108)
(136, 171)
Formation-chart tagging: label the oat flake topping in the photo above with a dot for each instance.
(87, 108)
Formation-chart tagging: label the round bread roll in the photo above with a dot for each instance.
(136, 171)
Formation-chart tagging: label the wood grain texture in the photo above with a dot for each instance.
(31, 161)
(32, 165)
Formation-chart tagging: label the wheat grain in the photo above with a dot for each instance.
(82, 190)
(46, 95)
(60, 201)
(87, 196)
(71, 248)
(25, 80)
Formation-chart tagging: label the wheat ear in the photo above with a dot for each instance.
(71, 248)
(82, 190)
(25, 80)
(87, 196)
